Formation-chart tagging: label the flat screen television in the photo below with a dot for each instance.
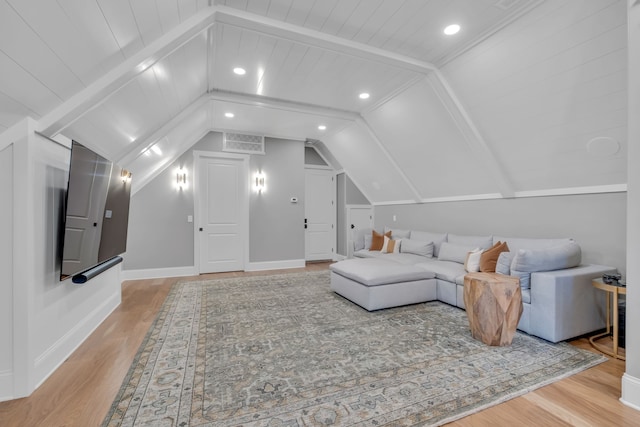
(96, 212)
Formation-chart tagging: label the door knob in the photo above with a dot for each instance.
(353, 226)
(200, 228)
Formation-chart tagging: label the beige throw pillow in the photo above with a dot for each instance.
(472, 263)
(390, 246)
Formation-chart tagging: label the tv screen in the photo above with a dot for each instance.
(96, 211)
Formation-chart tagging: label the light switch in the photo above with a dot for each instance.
(189, 218)
(394, 218)
(108, 213)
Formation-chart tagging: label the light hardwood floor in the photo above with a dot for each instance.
(80, 392)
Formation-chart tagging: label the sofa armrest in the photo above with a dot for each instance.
(564, 304)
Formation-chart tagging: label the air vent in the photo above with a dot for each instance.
(243, 143)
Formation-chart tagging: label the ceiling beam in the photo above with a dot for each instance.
(471, 134)
(362, 122)
(297, 34)
(99, 91)
(140, 145)
(281, 104)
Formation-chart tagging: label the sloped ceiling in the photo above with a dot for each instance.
(528, 99)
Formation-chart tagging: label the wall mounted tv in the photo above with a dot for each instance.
(96, 215)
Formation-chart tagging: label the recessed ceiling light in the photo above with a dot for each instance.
(452, 29)
(240, 71)
(156, 150)
(322, 127)
(229, 115)
(364, 95)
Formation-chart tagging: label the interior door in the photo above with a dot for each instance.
(222, 218)
(85, 212)
(358, 218)
(319, 209)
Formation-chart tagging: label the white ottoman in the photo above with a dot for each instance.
(374, 283)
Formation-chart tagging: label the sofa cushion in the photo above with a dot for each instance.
(444, 270)
(558, 257)
(374, 272)
(489, 258)
(366, 253)
(361, 239)
(482, 242)
(404, 258)
(426, 236)
(417, 247)
(398, 233)
(517, 243)
(455, 253)
(524, 276)
(503, 266)
(377, 240)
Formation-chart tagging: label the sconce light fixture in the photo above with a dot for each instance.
(125, 175)
(260, 182)
(181, 178)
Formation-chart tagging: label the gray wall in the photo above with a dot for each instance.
(595, 221)
(311, 157)
(160, 237)
(276, 225)
(353, 195)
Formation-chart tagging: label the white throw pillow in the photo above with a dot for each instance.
(472, 262)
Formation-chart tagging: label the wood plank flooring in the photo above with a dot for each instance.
(80, 392)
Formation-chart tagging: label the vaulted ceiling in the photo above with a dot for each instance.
(529, 98)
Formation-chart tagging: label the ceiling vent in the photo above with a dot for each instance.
(243, 143)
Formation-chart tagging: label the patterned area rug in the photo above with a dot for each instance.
(286, 351)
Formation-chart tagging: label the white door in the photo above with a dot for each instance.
(85, 212)
(358, 218)
(223, 201)
(319, 212)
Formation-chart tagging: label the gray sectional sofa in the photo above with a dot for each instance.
(558, 299)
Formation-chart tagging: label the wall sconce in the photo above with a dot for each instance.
(260, 180)
(181, 178)
(125, 175)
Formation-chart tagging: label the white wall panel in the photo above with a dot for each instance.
(123, 25)
(427, 145)
(6, 266)
(368, 166)
(544, 87)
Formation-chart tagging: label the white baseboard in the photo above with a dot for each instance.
(154, 273)
(276, 265)
(54, 356)
(631, 391)
(6, 385)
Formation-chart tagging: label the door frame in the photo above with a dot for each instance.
(334, 213)
(198, 156)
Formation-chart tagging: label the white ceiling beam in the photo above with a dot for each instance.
(280, 104)
(100, 90)
(139, 146)
(297, 34)
(472, 135)
(362, 122)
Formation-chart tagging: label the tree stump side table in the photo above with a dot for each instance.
(494, 307)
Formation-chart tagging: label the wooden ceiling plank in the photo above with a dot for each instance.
(99, 91)
(318, 39)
